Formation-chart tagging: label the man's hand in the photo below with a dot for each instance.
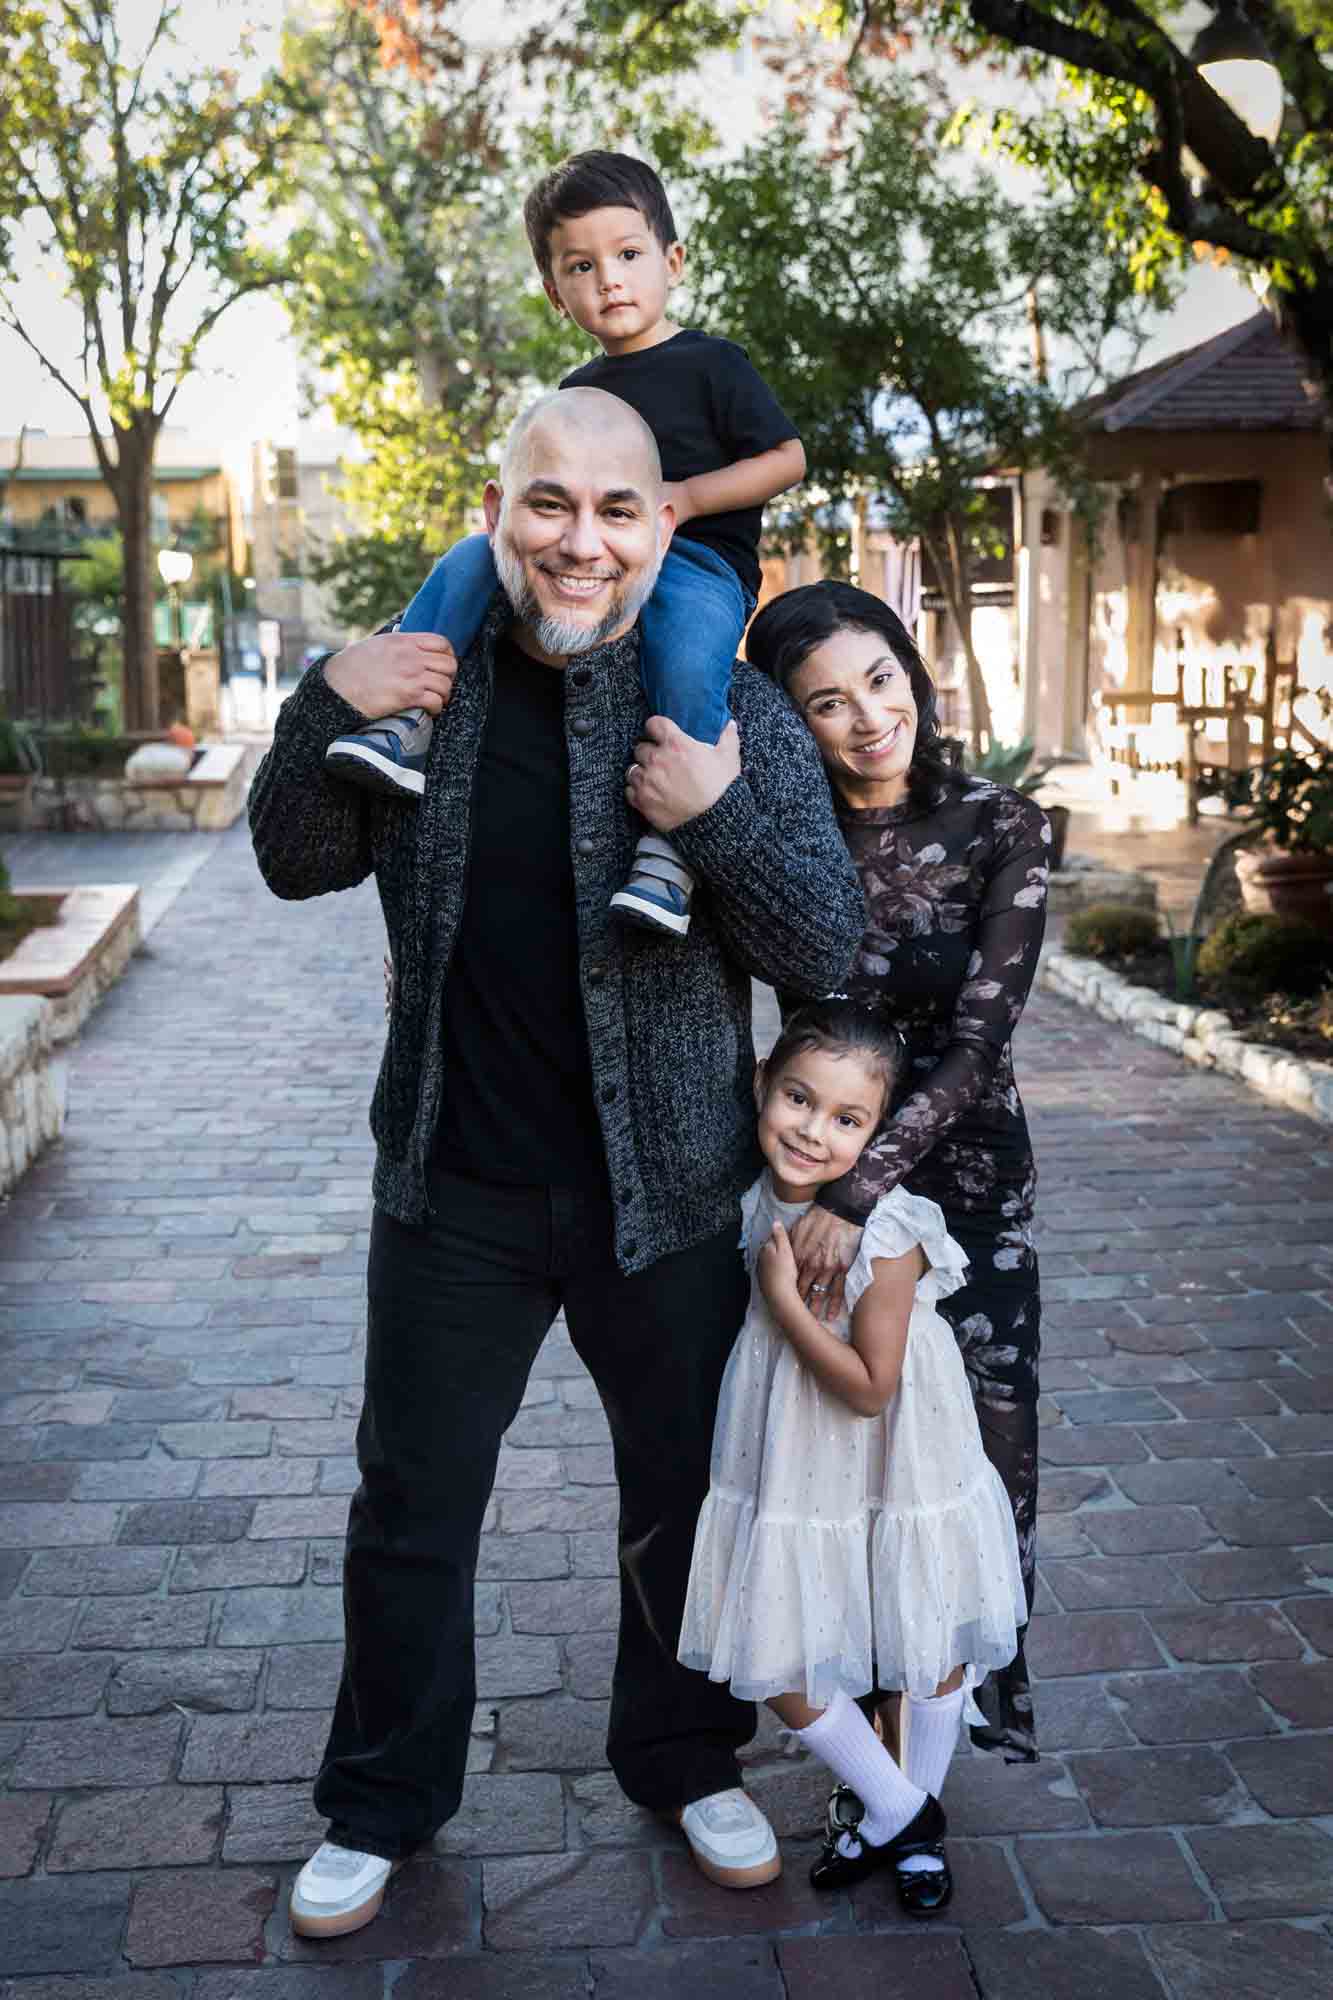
(674, 778)
(391, 671)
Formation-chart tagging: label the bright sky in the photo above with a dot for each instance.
(248, 386)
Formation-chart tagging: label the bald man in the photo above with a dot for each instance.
(563, 1119)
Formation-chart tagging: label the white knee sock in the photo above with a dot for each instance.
(932, 1738)
(843, 1739)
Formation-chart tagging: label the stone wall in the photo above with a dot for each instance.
(1201, 1035)
(206, 801)
(32, 1092)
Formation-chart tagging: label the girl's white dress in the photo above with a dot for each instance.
(835, 1551)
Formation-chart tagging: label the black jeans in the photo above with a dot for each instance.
(457, 1312)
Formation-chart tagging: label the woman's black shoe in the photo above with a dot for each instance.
(923, 1892)
(835, 1869)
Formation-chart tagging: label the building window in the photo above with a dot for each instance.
(288, 483)
(1212, 507)
(159, 520)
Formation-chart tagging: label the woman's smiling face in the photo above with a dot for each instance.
(858, 705)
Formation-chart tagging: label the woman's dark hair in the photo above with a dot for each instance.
(789, 629)
(588, 181)
(840, 1027)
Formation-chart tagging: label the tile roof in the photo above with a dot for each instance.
(1246, 379)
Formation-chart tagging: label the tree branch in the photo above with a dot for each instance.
(9, 318)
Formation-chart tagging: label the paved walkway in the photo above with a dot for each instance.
(181, 1359)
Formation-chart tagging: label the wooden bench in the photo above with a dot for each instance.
(1143, 730)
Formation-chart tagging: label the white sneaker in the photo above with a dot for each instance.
(338, 1890)
(730, 1839)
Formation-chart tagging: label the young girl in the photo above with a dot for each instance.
(855, 1538)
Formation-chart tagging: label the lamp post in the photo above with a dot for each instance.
(1231, 55)
(175, 567)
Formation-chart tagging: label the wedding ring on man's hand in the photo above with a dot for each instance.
(819, 1288)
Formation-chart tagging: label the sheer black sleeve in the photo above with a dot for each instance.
(990, 1002)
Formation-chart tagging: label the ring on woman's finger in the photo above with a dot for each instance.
(819, 1288)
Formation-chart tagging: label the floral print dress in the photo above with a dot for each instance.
(955, 890)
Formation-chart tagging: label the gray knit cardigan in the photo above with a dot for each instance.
(668, 1019)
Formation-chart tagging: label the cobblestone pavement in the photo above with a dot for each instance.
(181, 1339)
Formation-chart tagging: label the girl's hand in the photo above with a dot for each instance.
(825, 1249)
(777, 1269)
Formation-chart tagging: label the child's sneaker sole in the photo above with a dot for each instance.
(648, 916)
(364, 765)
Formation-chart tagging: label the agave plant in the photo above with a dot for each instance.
(1007, 764)
(19, 752)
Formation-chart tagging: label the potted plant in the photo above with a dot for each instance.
(1007, 764)
(20, 763)
(1286, 866)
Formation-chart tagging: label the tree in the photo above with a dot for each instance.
(1126, 123)
(888, 301)
(136, 169)
(413, 291)
(418, 299)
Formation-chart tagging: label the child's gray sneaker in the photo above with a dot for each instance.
(385, 756)
(338, 1891)
(657, 894)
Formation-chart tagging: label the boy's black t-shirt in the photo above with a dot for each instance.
(707, 406)
(518, 1103)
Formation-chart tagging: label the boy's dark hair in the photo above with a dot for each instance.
(840, 1027)
(586, 181)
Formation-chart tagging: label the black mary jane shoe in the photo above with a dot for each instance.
(834, 1869)
(924, 1892)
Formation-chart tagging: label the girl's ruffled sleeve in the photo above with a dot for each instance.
(897, 1223)
(749, 1210)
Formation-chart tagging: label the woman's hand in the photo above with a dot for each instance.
(824, 1248)
(777, 1270)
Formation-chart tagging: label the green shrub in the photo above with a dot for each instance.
(1112, 930)
(1262, 954)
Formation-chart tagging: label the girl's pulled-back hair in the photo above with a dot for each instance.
(792, 626)
(839, 1027)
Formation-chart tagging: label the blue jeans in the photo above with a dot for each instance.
(692, 625)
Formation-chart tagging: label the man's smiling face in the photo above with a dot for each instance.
(579, 530)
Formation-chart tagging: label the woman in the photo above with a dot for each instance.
(954, 871)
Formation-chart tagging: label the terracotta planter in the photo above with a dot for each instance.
(1278, 883)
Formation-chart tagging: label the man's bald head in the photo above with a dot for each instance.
(614, 435)
(579, 520)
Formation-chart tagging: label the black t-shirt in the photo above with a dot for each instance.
(707, 406)
(518, 1094)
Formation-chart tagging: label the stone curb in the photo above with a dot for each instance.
(1201, 1035)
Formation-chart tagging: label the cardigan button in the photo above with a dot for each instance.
(596, 974)
(582, 677)
(585, 846)
(582, 725)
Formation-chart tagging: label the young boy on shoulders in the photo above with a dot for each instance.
(605, 242)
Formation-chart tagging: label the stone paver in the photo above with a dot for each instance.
(181, 1329)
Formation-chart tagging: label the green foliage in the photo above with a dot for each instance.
(885, 296)
(1289, 799)
(1007, 764)
(1108, 107)
(416, 291)
(1112, 930)
(20, 753)
(1256, 954)
(135, 168)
